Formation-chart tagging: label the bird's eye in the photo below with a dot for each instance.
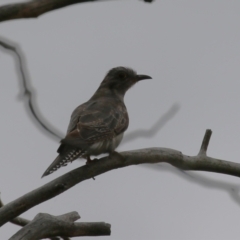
(122, 75)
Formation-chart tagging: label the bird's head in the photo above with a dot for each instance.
(120, 79)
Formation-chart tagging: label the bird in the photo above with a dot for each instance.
(97, 126)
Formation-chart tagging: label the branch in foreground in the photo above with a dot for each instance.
(45, 226)
(115, 161)
(33, 9)
(19, 221)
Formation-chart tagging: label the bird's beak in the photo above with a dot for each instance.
(142, 77)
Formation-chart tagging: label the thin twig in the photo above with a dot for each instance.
(205, 142)
(44, 125)
(155, 128)
(27, 89)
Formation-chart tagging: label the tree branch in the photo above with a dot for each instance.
(28, 91)
(37, 117)
(45, 226)
(155, 128)
(205, 142)
(35, 8)
(115, 161)
(18, 220)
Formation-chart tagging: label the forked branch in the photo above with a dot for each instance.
(114, 161)
(45, 226)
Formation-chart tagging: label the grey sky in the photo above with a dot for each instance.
(192, 51)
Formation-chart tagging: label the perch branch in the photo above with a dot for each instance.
(33, 9)
(115, 161)
(18, 220)
(45, 226)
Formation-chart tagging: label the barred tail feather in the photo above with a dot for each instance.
(61, 161)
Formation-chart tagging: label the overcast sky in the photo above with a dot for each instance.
(192, 51)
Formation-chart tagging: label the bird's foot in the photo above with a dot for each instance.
(90, 161)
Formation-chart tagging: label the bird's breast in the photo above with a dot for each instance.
(105, 146)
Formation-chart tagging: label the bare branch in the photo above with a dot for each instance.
(23, 222)
(205, 142)
(45, 225)
(154, 129)
(28, 90)
(43, 124)
(35, 8)
(18, 220)
(115, 161)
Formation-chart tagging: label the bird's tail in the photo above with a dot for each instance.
(57, 163)
(62, 160)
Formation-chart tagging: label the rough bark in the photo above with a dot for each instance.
(45, 226)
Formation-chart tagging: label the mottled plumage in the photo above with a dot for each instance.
(97, 126)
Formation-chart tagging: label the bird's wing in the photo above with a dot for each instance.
(75, 117)
(96, 122)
